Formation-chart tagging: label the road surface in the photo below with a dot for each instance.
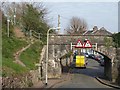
(85, 78)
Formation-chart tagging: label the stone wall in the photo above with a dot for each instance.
(111, 63)
(118, 66)
(21, 81)
(54, 66)
(107, 68)
(109, 58)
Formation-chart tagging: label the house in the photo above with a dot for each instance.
(102, 31)
(96, 31)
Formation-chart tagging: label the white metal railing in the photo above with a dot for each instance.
(35, 34)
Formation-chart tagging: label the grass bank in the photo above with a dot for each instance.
(32, 55)
(9, 47)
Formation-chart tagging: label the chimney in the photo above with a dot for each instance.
(95, 28)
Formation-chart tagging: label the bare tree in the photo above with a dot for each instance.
(77, 26)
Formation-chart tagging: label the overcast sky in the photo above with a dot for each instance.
(79, 0)
(102, 13)
(62, 0)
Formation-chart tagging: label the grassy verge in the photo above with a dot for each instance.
(11, 68)
(31, 56)
(9, 47)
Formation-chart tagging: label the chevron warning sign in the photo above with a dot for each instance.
(79, 44)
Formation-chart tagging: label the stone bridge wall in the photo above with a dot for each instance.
(68, 39)
(109, 58)
(54, 66)
(112, 55)
(118, 65)
(112, 63)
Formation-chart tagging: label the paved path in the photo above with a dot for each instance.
(52, 82)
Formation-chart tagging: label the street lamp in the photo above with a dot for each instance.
(47, 52)
(53, 46)
(8, 20)
(14, 16)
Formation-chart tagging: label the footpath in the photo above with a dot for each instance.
(18, 53)
(108, 83)
(53, 82)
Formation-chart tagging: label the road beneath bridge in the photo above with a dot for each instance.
(85, 78)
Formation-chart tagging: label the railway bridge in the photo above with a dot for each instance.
(102, 44)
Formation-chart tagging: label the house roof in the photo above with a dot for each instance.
(101, 31)
(88, 32)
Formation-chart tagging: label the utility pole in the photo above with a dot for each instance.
(8, 20)
(14, 16)
(58, 23)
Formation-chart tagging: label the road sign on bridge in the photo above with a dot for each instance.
(79, 44)
(87, 44)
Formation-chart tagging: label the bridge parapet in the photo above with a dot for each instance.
(63, 39)
(109, 52)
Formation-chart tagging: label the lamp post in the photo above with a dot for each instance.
(47, 52)
(8, 21)
(53, 47)
(14, 16)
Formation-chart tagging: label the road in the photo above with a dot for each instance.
(85, 78)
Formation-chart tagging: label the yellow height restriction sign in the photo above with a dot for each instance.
(80, 61)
